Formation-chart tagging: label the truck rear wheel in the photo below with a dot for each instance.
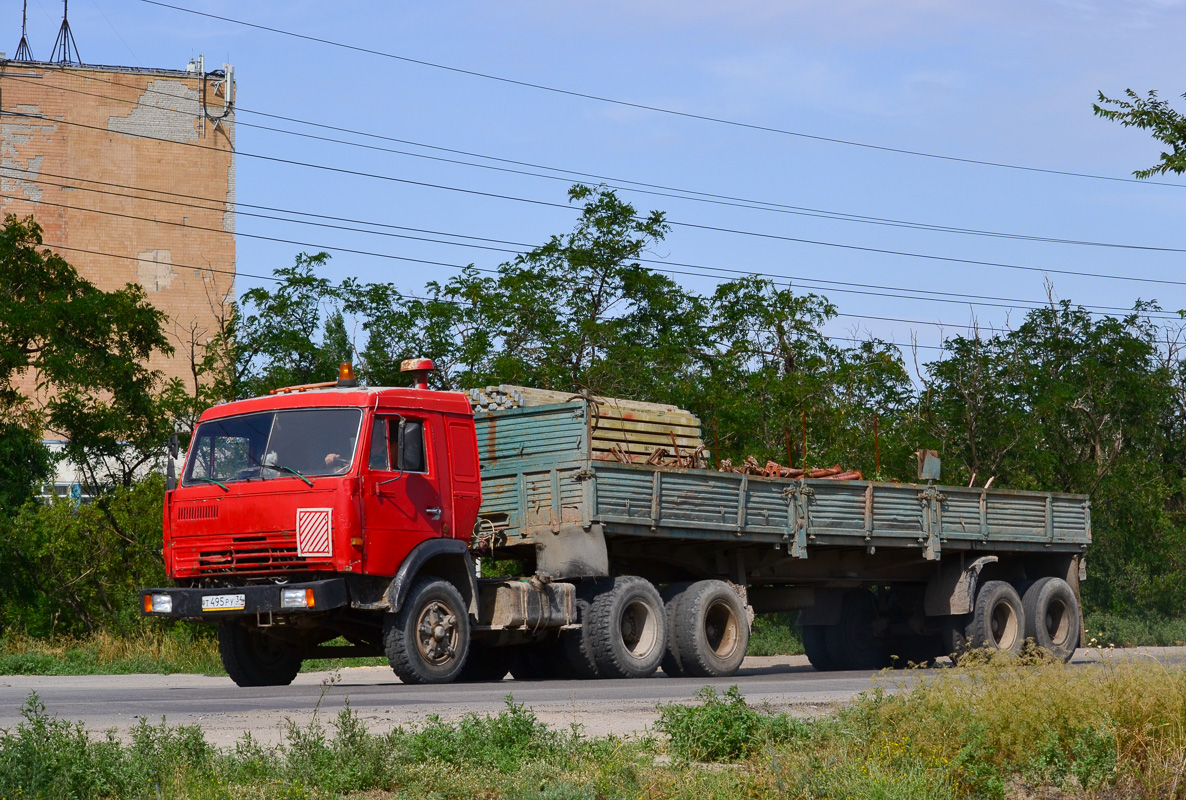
(998, 619)
(1052, 616)
(628, 629)
(711, 630)
(853, 643)
(253, 658)
(427, 640)
(671, 595)
(815, 647)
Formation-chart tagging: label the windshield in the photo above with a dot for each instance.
(277, 444)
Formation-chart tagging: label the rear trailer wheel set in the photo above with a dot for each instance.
(1003, 617)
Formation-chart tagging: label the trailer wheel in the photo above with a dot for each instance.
(252, 658)
(427, 640)
(998, 619)
(711, 630)
(628, 629)
(853, 643)
(671, 594)
(815, 647)
(1052, 616)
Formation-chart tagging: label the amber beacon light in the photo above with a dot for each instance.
(346, 374)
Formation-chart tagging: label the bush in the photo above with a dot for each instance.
(723, 727)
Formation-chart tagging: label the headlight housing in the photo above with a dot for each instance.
(296, 598)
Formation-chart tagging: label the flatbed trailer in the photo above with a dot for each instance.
(786, 545)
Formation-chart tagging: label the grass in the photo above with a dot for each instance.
(775, 635)
(1114, 629)
(156, 651)
(999, 729)
(193, 649)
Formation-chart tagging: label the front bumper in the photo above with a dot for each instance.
(243, 600)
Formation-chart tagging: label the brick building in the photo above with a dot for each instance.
(131, 174)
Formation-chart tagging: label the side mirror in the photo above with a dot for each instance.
(410, 455)
(171, 467)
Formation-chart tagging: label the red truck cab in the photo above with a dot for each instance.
(324, 512)
(338, 480)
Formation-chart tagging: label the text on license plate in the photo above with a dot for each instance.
(223, 602)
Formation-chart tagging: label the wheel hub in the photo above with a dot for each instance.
(437, 633)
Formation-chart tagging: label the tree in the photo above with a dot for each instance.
(1153, 114)
(290, 335)
(88, 350)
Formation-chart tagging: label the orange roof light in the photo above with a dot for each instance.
(346, 374)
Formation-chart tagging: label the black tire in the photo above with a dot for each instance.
(253, 658)
(998, 619)
(953, 639)
(628, 629)
(852, 643)
(485, 664)
(671, 595)
(427, 640)
(1052, 616)
(815, 646)
(711, 630)
(577, 645)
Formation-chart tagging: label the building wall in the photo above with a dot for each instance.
(89, 152)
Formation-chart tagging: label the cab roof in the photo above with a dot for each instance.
(380, 397)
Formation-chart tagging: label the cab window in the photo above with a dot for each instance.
(397, 444)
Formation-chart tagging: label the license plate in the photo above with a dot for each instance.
(224, 602)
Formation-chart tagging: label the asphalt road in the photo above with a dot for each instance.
(225, 711)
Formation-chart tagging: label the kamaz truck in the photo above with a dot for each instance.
(340, 520)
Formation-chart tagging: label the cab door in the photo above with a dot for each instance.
(404, 488)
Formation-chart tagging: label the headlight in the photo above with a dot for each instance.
(161, 604)
(296, 598)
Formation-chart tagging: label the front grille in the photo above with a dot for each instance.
(204, 511)
(243, 555)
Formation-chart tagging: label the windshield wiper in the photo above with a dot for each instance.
(292, 471)
(217, 483)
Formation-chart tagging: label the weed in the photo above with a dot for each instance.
(775, 635)
(723, 727)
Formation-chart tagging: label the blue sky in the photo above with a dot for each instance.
(1008, 82)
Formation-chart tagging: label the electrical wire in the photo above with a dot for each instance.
(704, 271)
(405, 296)
(617, 183)
(676, 223)
(653, 108)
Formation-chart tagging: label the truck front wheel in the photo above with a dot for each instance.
(427, 640)
(252, 658)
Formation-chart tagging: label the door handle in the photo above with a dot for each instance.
(435, 513)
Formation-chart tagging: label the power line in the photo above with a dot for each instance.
(705, 270)
(403, 295)
(713, 228)
(656, 109)
(629, 185)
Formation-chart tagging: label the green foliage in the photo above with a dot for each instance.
(70, 568)
(88, 349)
(24, 464)
(723, 727)
(775, 635)
(1151, 114)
